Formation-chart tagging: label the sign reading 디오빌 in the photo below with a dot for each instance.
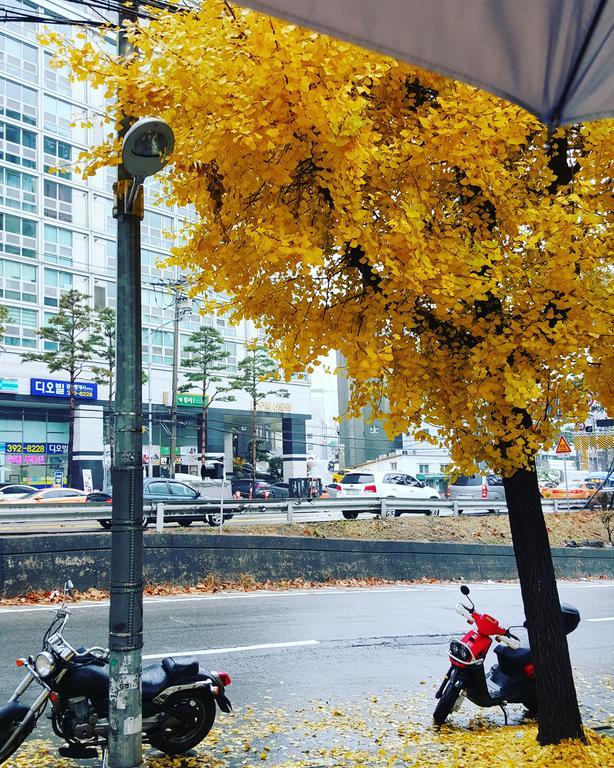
(81, 390)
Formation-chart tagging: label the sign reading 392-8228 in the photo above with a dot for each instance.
(81, 390)
(34, 449)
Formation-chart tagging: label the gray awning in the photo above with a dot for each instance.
(552, 57)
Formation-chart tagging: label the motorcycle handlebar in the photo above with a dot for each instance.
(510, 640)
(463, 611)
(95, 650)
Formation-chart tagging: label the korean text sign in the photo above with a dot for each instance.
(82, 390)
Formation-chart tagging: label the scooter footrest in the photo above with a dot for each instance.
(78, 752)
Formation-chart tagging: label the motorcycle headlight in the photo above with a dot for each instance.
(460, 651)
(44, 664)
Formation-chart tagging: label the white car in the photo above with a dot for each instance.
(382, 485)
(9, 493)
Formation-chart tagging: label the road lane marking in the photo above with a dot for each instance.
(236, 649)
(606, 618)
(320, 592)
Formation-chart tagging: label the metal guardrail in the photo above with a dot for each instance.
(262, 510)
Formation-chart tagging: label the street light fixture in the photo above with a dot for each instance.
(146, 148)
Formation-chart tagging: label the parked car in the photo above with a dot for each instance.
(384, 485)
(53, 496)
(10, 493)
(263, 489)
(478, 486)
(579, 494)
(604, 482)
(156, 489)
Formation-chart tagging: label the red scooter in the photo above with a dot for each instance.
(511, 681)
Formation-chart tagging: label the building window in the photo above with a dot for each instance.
(56, 284)
(150, 261)
(17, 190)
(152, 191)
(17, 236)
(23, 28)
(423, 469)
(111, 257)
(17, 145)
(57, 116)
(18, 59)
(58, 246)
(49, 346)
(17, 281)
(155, 307)
(17, 102)
(158, 344)
(57, 201)
(56, 78)
(231, 360)
(20, 329)
(105, 295)
(57, 157)
(154, 228)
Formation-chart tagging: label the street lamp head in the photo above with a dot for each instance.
(147, 147)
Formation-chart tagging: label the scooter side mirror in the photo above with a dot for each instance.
(465, 590)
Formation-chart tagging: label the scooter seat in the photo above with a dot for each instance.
(513, 660)
(153, 681)
(179, 669)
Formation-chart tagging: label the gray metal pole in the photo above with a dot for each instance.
(173, 448)
(126, 611)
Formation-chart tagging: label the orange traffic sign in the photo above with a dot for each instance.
(562, 446)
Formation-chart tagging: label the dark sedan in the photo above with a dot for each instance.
(161, 489)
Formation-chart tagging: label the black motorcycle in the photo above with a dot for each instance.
(179, 698)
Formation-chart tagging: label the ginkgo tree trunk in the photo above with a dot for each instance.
(452, 251)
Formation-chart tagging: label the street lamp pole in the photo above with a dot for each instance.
(126, 609)
(145, 150)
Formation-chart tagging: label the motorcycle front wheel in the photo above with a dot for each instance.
(6, 753)
(446, 703)
(193, 718)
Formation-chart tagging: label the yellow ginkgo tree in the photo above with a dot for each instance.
(453, 252)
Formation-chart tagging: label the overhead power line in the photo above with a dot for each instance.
(16, 12)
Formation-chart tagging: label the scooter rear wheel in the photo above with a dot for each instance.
(446, 703)
(195, 715)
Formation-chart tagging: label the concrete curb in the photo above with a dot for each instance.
(44, 562)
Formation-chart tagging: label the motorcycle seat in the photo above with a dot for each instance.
(512, 661)
(153, 681)
(179, 669)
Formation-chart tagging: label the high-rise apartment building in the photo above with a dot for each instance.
(57, 233)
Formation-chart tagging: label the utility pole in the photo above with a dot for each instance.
(177, 287)
(175, 374)
(126, 609)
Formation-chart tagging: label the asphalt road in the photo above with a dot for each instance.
(287, 651)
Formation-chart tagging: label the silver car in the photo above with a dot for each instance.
(478, 487)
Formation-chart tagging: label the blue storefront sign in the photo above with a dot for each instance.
(82, 390)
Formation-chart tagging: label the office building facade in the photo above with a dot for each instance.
(57, 233)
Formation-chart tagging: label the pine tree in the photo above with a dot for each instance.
(104, 344)
(254, 371)
(205, 360)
